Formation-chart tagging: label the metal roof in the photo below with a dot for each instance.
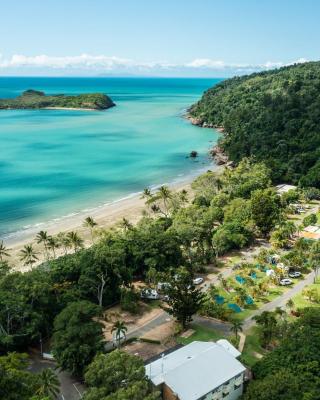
(196, 369)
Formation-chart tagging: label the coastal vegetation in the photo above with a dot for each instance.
(272, 116)
(65, 294)
(291, 370)
(34, 99)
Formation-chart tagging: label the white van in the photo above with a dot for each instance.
(150, 294)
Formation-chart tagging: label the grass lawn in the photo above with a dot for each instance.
(301, 301)
(200, 334)
(251, 347)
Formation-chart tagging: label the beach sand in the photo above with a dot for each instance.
(106, 216)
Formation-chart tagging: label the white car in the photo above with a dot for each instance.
(197, 281)
(285, 282)
(294, 274)
(149, 294)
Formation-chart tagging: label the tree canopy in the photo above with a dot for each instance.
(273, 116)
(292, 370)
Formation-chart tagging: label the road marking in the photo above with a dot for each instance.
(75, 386)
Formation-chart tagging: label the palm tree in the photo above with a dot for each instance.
(314, 259)
(236, 327)
(120, 329)
(164, 193)
(75, 240)
(268, 324)
(53, 244)
(3, 251)
(43, 237)
(49, 385)
(146, 194)
(90, 223)
(183, 195)
(28, 255)
(125, 224)
(64, 241)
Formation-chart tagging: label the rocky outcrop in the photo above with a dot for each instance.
(219, 156)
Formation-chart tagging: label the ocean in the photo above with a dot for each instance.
(55, 163)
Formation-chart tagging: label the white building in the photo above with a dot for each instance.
(283, 188)
(199, 371)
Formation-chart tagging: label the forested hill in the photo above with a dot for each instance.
(34, 99)
(274, 116)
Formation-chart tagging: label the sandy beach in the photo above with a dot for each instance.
(106, 216)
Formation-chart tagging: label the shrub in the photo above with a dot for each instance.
(129, 301)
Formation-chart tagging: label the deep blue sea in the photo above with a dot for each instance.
(57, 162)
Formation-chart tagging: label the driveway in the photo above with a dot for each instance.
(70, 388)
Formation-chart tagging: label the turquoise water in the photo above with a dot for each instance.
(54, 162)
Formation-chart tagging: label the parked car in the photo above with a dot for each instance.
(294, 274)
(163, 286)
(285, 282)
(197, 281)
(150, 294)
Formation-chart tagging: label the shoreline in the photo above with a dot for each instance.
(217, 153)
(74, 108)
(106, 215)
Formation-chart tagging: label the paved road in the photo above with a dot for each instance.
(70, 389)
(211, 323)
(222, 326)
(281, 300)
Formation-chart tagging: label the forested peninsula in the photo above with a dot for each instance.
(273, 116)
(34, 99)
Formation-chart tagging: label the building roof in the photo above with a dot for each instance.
(228, 346)
(311, 232)
(196, 369)
(283, 188)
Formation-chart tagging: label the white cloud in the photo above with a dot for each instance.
(83, 61)
(103, 63)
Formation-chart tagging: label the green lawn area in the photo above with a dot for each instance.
(200, 334)
(301, 301)
(206, 335)
(251, 346)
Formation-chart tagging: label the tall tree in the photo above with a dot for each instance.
(4, 251)
(236, 327)
(265, 209)
(268, 323)
(43, 237)
(118, 376)
(120, 330)
(77, 336)
(75, 240)
(90, 223)
(314, 259)
(49, 385)
(16, 383)
(28, 255)
(53, 244)
(184, 299)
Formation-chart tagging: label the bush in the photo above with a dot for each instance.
(129, 301)
(310, 220)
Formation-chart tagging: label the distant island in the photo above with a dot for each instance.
(273, 116)
(34, 99)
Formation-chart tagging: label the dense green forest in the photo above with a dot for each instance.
(33, 99)
(273, 116)
(292, 370)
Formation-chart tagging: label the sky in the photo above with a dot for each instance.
(215, 38)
